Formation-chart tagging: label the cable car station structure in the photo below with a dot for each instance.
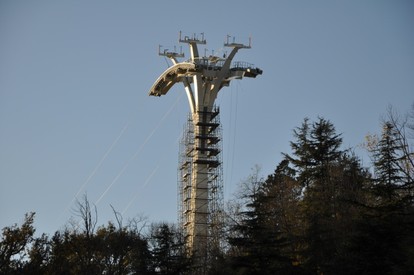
(200, 170)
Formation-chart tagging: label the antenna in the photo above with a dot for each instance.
(236, 45)
(193, 39)
(170, 54)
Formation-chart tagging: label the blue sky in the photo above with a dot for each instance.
(76, 118)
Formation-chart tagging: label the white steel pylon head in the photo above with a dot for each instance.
(202, 76)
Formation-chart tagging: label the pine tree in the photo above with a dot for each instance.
(390, 210)
(386, 164)
(260, 240)
(168, 250)
(301, 149)
(320, 166)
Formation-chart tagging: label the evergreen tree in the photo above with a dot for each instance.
(389, 215)
(321, 168)
(260, 240)
(386, 164)
(282, 200)
(301, 149)
(168, 250)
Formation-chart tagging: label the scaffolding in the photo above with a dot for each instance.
(202, 205)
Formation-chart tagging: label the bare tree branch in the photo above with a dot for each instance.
(118, 217)
(84, 211)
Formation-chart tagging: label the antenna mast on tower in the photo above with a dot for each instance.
(200, 167)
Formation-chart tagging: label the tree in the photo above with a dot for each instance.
(282, 201)
(301, 149)
(168, 250)
(259, 241)
(14, 245)
(103, 250)
(332, 181)
(302, 218)
(386, 157)
(389, 214)
(39, 256)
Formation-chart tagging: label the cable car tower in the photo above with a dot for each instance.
(200, 181)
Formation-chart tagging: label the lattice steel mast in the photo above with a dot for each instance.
(203, 77)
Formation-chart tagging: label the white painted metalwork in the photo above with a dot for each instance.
(203, 77)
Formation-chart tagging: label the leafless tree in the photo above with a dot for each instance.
(88, 215)
(403, 127)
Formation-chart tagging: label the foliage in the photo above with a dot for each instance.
(319, 212)
(14, 245)
(168, 250)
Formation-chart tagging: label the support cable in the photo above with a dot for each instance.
(234, 135)
(101, 161)
(147, 181)
(134, 156)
